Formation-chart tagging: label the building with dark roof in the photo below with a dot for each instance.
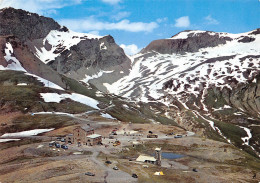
(84, 136)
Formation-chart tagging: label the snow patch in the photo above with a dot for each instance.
(8, 140)
(22, 84)
(95, 76)
(106, 115)
(60, 41)
(209, 121)
(13, 63)
(55, 113)
(184, 35)
(27, 133)
(99, 94)
(103, 46)
(55, 97)
(249, 136)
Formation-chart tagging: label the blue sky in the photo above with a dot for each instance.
(135, 23)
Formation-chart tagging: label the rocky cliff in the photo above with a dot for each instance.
(25, 25)
(89, 58)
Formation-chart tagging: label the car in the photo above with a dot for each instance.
(52, 143)
(134, 175)
(108, 162)
(194, 170)
(170, 133)
(63, 140)
(57, 145)
(64, 146)
(58, 138)
(113, 133)
(178, 136)
(89, 174)
(115, 168)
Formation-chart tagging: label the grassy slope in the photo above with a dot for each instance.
(27, 99)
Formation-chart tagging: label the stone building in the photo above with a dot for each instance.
(80, 134)
(94, 139)
(84, 136)
(69, 139)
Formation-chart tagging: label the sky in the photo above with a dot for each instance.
(135, 23)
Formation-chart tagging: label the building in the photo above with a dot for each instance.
(94, 139)
(153, 160)
(80, 134)
(69, 139)
(158, 156)
(146, 159)
(84, 136)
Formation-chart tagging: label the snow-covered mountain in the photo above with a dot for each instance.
(84, 57)
(206, 82)
(214, 77)
(89, 58)
(157, 72)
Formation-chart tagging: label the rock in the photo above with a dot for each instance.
(25, 25)
(192, 43)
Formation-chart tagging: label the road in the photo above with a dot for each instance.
(112, 176)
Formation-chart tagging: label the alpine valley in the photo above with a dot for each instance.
(200, 82)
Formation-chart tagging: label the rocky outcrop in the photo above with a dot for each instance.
(25, 25)
(98, 61)
(246, 97)
(193, 42)
(28, 60)
(85, 57)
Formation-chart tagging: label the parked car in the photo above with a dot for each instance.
(113, 133)
(178, 136)
(63, 140)
(57, 145)
(115, 168)
(194, 170)
(89, 174)
(152, 136)
(64, 146)
(58, 138)
(108, 162)
(170, 133)
(52, 143)
(134, 175)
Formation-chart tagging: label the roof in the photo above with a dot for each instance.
(86, 128)
(144, 158)
(93, 136)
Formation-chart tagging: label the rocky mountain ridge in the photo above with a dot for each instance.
(80, 56)
(203, 81)
(216, 74)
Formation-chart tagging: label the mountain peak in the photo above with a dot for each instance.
(25, 25)
(193, 40)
